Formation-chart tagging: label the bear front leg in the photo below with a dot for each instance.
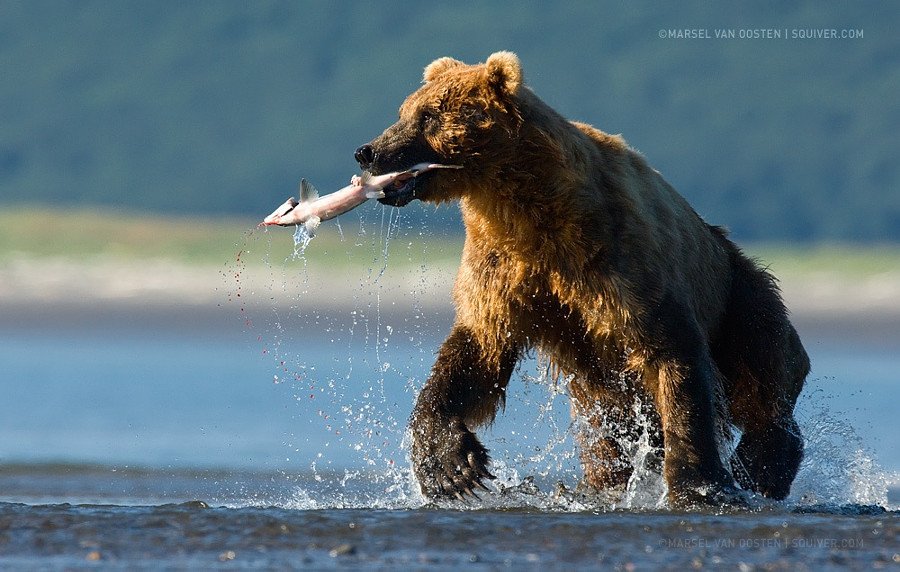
(692, 467)
(679, 370)
(466, 386)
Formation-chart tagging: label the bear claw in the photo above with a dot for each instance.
(449, 460)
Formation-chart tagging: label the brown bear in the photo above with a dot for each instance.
(575, 247)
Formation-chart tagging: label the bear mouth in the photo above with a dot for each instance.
(400, 192)
(406, 186)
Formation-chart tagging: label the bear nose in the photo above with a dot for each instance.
(365, 156)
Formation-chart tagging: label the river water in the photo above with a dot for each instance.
(255, 437)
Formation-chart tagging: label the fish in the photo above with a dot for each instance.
(309, 209)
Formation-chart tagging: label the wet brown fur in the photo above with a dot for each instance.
(576, 248)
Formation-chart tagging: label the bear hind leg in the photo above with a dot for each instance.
(766, 460)
(761, 356)
(763, 396)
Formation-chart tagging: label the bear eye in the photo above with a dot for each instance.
(428, 119)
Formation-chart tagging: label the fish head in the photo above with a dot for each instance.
(281, 215)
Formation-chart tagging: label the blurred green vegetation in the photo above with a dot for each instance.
(81, 234)
(837, 260)
(112, 235)
(218, 108)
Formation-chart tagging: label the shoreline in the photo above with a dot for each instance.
(60, 295)
(154, 317)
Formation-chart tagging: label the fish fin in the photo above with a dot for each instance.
(308, 193)
(311, 224)
(363, 180)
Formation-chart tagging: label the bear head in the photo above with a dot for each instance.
(465, 115)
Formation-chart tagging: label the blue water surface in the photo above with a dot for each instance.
(264, 399)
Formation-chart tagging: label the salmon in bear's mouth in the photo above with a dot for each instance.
(400, 192)
(403, 189)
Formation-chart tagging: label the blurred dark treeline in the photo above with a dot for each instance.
(219, 107)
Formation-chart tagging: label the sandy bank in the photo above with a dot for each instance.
(96, 294)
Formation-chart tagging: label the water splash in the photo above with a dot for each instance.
(535, 455)
(646, 489)
(838, 468)
(838, 473)
(342, 399)
(302, 237)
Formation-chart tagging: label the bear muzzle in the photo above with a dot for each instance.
(400, 192)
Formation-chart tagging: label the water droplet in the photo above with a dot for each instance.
(302, 238)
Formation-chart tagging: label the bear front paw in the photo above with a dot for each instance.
(448, 459)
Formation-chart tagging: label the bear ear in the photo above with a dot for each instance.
(504, 72)
(439, 66)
